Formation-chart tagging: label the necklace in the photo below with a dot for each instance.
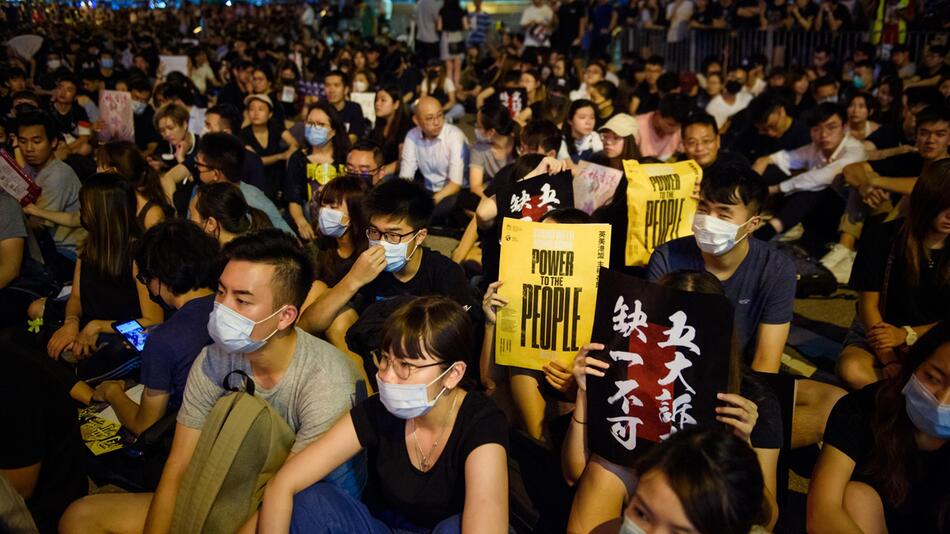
(423, 457)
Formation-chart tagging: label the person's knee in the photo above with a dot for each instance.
(81, 516)
(36, 308)
(855, 368)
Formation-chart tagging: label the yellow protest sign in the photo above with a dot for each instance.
(660, 205)
(550, 276)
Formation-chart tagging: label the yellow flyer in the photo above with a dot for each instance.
(550, 274)
(660, 205)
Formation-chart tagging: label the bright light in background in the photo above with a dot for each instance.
(228, 3)
(197, 30)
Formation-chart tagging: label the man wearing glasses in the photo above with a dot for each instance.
(701, 142)
(365, 160)
(438, 152)
(221, 158)
(395, 263)
(817, 165)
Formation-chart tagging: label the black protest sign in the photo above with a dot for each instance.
(514, 100)
(529, 200)
(669, 355)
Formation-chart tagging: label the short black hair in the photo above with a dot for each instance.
(656, 60)
(400, 199)
(139, 83)
(700, 117)
(39, 118)
(182, 256)
(764, 105)
(368, 145)
(668, 81)
(823, 81)
(230, 114)
(224, 152)
(342, 75)
(825, 111)
(13, 73)
(931, 114)
(568, 216)
(541, 134)
(293, 271)
(91, 74)
(66, 76)
(732, 184)
(675, 106)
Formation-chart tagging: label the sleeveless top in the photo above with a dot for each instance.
(105, 298)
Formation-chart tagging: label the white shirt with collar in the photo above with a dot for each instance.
(820, 171)
(440, 160)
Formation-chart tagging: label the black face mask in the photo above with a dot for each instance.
(158, 300)
(733, 87)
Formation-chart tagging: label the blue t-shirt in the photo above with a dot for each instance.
(762, 289)
(172, 347)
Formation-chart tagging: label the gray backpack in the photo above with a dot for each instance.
(243, 443)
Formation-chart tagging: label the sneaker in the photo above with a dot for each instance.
(842, 270)
(792, 234)
(837, 253)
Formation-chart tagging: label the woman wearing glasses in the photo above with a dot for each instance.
(437, 449)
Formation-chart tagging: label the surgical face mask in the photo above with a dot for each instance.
(925, 411)
(481, 137)
(54, 64)
(407, 401)
(360, 86)
(106, 63)
(629, 527)
(316, 135)
(138, 107)
(858, 82)
(715, 236)
(396, 257)
(232, 331)
(331, 222)
(832, 99)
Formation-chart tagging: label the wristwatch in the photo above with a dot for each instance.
(911, 336)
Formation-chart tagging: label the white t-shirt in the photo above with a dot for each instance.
(537, 14)
(722, 110)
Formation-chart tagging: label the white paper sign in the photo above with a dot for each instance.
(115, 112)
(367, 102)
(174, 64)
(594, 186)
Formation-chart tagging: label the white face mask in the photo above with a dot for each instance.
(716, 236)
(629, 527)
(407, 401)
(232, 331)
(396, 257)
(331, 222)
(360, 86)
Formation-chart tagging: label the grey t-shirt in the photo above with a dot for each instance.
(481, 156)
(427, 17)
(60, 193)
(318, 387)
(11, 218)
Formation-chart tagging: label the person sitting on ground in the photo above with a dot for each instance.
(580, 140)
(495, 132)
(219, 208)
(759, 281)
(125, 159)
(105, 290)
(454, 436)
(365, 161)
(437, 152)
(681, 477)
(177, 159)
(178, 265)
(322, 159)
(225, 118)
(619, 138)
(17, 263)
(398, 214)
(771, 128)
(902, 275)
(336, 84)
(307, 381)
(883, 466)
(220, 158)
(818, 163)
(659, 131)
(750, 411)
(703, 144)
(70, 118)
(269, 140)
(58, 205)
(392, 124)
(731, 100)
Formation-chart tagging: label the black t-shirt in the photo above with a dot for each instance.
(775, 14)
(850, 431)
(887, 136)
(709, 15)
(232, 94)
(45, 430)
(900, 166)
(145, 132)
(810, 11)
(425, 498)
(754, 145)
(905, 303)
(352, 116)
(746, 23)
(728, 160)
(69, 122)
(569, 15)
(437, 275)
(648, 101)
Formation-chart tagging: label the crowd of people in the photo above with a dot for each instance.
(269, 219)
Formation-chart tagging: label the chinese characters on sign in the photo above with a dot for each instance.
(665, 372)
(529, 200)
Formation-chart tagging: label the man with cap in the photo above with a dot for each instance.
(269, 140)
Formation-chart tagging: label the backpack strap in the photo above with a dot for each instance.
(246, 381)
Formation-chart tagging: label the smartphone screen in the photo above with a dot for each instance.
(134, 333)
